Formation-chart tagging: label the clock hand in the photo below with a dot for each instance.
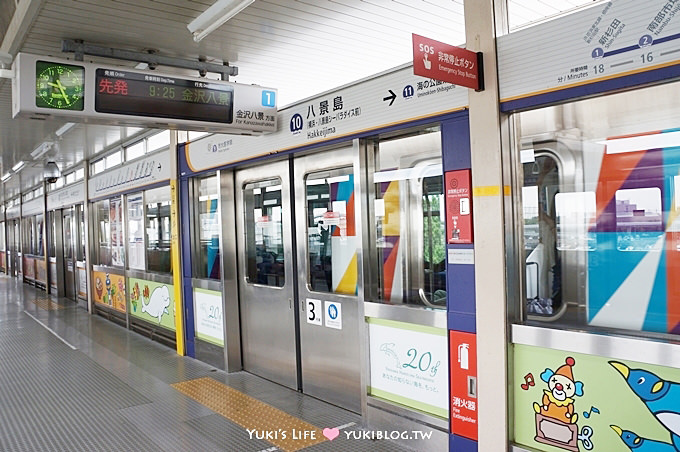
(61, 88)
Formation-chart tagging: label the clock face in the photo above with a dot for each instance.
(59, 86)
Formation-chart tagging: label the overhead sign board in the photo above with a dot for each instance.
(67, 196)
(434, 59)
(152, 169)
(87, 92)
(386, 99)
(607, 41)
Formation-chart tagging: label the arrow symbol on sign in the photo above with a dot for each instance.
(391, 98)
(159, 167)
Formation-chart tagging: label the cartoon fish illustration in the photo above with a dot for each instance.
(158, 303)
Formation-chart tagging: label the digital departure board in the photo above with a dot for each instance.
(45, 87)
(138, 94)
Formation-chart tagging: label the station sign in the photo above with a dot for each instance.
(451, 64)
(77, 91)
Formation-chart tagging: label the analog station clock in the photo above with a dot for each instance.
(59, 86)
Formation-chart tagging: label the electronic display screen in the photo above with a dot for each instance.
(130, 93)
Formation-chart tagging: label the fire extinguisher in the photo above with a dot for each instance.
(463, 356)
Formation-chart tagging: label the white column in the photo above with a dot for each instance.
(488, 192)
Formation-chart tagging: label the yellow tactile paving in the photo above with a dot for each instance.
(47, 304)
(286, 432)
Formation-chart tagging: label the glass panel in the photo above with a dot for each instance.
(158, 141)
(2, 237)
(70, 178)
(408, 259)
(136, 231)
(601, 213)
(135, 151)
(101, 209)
(97, 167)
(68, 234)
(39, 235)
(208, 263)
(80, 173)
(117, 241)
(196, 135)
(264, 233)
(80, 215)
(331, 232)
(158, 229)
(114, 159)
(52, 236)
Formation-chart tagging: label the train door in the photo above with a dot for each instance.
(69, 261)
(266, 282)
(328, 247)
(315, 349)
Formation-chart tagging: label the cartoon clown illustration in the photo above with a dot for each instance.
(555, 414)
(558, 401)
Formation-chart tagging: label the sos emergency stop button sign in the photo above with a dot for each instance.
(434, 59)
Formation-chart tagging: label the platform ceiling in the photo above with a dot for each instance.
(300, 47)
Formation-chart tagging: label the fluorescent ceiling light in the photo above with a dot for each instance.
(642, 143)
(213, 17)
(18, 166)
(65, 128)
(41, 150)
(5, 177)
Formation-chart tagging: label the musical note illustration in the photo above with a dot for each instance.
(586, 414)
(528, 381)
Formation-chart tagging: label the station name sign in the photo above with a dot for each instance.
(87, 92)
(440, 61)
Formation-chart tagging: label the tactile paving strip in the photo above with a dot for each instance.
(47, 304)
(286, 432)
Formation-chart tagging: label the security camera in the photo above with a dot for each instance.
(51, 172)
(6, 59)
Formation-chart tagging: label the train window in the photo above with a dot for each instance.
(80, 216)
(208, 259)
(408, 259)
(67, 229)
(264, 233)
(2, 236)
(101, 209)
(158, 229)
(331, 232)
(638, 219)
(135, 232)
(601, 213)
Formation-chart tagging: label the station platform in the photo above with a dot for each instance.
(75, 382)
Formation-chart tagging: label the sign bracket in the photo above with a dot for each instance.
(80, 48)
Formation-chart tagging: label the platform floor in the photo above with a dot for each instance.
(74, 382)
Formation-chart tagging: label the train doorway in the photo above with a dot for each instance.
(298, 274)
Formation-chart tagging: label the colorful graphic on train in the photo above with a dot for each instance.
(637, 226)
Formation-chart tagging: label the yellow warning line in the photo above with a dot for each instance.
(286, 432)
(47, 304)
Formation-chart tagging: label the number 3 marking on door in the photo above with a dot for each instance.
(314, 311)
